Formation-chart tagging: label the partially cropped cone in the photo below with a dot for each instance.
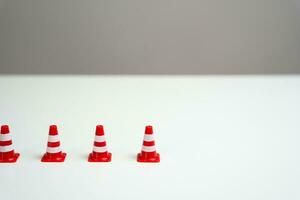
(7, 152)
(148, 153)
(53, 152)
(99, 153)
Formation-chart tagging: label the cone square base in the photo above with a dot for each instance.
(144, 159)
(93, 158)
(12, 159)
(58, 158)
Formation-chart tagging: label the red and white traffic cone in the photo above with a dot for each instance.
(7, 153)
(53, 152)
(148, 153)
(100, 153)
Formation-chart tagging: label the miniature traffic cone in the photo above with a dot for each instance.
(100, 153)
(7, 153)
(148, 153)
(53, 152)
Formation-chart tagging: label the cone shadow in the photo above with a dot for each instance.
(83, 156)
(132, 157)
(37, 157)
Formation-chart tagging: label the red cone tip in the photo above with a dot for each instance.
(4, 129)
(99, 130)
(148, 130)
(53, 130)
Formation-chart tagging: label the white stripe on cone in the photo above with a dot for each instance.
(148, 138)
(5, 137)
(53, 149)
(99, 138)
(148, 148)
(8, 148)
(99, 149)
(53, 138)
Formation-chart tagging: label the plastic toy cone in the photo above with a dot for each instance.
(100, 153)
(7, 153)
(53, 152)
(148, 153)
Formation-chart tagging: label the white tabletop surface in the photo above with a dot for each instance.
(220, 137)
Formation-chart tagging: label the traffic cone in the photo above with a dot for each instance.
(100, 153)
(148, 153)
(7, 153)
(53, 152)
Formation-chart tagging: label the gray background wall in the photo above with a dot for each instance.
(149, 36)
